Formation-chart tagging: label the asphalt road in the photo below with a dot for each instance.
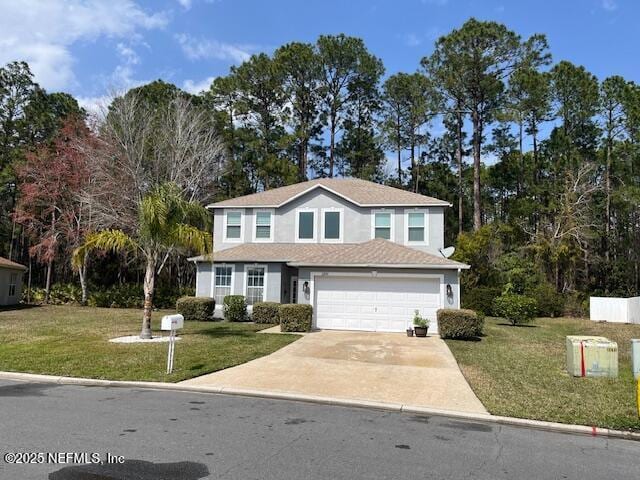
(175, 435)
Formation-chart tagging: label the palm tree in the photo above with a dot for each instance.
(167, 223)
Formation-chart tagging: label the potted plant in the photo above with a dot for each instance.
(409, 332)
(421, 325)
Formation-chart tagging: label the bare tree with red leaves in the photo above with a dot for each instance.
(50, 207)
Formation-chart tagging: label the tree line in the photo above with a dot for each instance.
(539, 158)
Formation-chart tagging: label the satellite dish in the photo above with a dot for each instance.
(447, 252)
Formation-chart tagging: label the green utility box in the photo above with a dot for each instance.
(589, 356)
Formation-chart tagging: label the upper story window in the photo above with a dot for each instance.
(382, 225)
(264, 226)
(306, 225)
(416, 226)
(233, 226)
(332, 225)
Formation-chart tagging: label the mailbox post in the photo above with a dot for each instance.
(171, 323)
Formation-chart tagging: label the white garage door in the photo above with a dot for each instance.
(384, 304)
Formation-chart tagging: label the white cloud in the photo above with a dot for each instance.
(95, 106)
(196, 87)
(128, 54)
(198, 49)
(412, 40)
(609, 5)
(186, 4)
(41, 32)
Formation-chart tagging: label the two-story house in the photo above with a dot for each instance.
(364, 255)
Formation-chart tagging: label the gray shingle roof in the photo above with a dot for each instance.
(360, 192)
(377, 252)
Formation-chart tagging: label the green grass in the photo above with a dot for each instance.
(73, 341)
(521, 372)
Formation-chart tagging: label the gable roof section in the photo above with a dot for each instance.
(374, 253)
(378, 253)
(360, 192)
(8, 264)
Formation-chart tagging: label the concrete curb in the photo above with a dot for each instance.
(395, 407)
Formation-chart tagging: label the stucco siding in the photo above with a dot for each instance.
(204, 278)
(356, 222)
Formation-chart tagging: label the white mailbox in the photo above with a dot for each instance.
(172, 322)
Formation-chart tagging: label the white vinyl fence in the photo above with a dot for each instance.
(619, 310)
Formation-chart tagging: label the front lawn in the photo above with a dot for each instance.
(521, 372)
(73, 341)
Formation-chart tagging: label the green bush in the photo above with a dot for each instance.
(198, 309)
(515, 308)
(550, 303)
(576, 305)
(235, 308)
(60, 294)
(166, 296)
(126, 295)
(459, 323)
(480, 299)
(265, 312)
(295, 317)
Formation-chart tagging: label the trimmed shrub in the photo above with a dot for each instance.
(265, 312)
(295, 317)
(235, 308)
(515, 308)
(480, 299)
(459, 323)
(197, 309)
(549, 302)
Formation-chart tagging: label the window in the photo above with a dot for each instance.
(13, 280)
(332, 225)
(416, 227)
(255, 285)
(233, 226)
(382, 225)
(305, 225)
(222, 283)
(263, 231)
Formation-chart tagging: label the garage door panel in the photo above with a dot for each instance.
(374, 304)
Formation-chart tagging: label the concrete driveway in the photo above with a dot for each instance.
(378, 367)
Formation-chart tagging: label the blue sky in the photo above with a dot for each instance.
(88, 48)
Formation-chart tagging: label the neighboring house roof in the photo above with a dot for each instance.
(359, 192)
(8, 264)
(374, 253)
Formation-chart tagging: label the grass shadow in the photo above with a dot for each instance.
(518, 325)
(221, 332)
(467, 339)
(19, 306)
